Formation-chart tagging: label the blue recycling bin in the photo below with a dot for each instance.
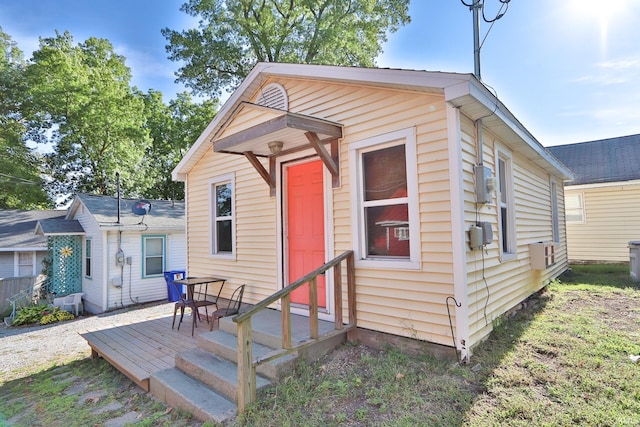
(169, 277)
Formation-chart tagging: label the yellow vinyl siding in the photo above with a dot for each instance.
(411, 303)
(611, 221)
(494, 285)
(384, 296)
(255, 262)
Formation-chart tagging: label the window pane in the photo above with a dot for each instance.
(153, 246)
(87, 260)
(502, 170)
(387, 230)
(223, 233)
(223, 200)
(153, 265)
(385, 173)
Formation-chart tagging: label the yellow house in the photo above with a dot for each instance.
(603, 201)
(454, 211)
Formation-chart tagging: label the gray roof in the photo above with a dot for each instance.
(163, 214)
(605, 160)
(59, 226)
(16, 227)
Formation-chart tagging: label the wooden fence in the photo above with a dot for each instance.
(11, 286)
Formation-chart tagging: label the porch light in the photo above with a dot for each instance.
(275, 147)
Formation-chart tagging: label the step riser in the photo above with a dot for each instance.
(274, 370)
(230, 327)
(208, 377)
(184, 393)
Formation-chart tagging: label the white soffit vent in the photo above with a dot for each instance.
(273, 95)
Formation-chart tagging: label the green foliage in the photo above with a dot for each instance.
(42, 314)
(233, 35)
(173, 128)
(81, 102)
(56, 316)
(21, 186)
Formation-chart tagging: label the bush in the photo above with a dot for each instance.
(56, 316)
(42, 314)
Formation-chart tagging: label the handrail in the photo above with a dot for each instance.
(246, 364)
(292, 287)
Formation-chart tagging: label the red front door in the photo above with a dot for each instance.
(305, 227)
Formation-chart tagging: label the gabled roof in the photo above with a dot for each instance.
(601, 161)
(463, 91)
(16, 228)
(164, 214)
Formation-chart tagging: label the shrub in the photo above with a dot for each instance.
(42, 314)
(56, 316)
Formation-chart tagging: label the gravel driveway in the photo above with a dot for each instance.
(32, 346)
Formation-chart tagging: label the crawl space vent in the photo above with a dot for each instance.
(273, 95)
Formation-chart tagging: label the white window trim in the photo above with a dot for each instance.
(84, 261)
(555, 212)
(511, 254)
(144, 254)
(584, 212)
(17, 265)
(222, 179)
(408, 138)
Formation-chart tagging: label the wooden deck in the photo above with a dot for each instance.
(140, 348)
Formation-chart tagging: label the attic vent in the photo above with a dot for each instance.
(273, 95)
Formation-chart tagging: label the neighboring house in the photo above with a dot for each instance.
(21, 251)
(305, 162)
(603, 201)
(115, 257)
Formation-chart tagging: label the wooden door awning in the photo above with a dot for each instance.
(280, 132)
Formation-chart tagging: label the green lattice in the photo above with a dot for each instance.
(64, 265)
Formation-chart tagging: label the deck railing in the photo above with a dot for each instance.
(246, 364)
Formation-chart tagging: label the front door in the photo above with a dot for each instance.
(305, 227)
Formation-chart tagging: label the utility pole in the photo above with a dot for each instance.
(475, 8)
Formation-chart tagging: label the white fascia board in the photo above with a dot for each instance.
(492, 106)
(569, 187)
(24, 249)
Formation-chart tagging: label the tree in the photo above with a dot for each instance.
(21, 183)
(235, 34)
(81, 102)
(173, 128)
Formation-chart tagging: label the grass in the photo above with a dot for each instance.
(561, 361)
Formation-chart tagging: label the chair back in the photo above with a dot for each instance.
(235, 301)
(178, 288)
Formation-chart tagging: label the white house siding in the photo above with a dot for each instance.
(611, 221)
(136, 288)
(494, 286)
(6, 264)
(92, 287)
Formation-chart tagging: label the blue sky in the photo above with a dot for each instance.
(569, 70)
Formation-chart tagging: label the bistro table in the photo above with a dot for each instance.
(202, 299)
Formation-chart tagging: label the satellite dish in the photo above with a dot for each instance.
(141, 207)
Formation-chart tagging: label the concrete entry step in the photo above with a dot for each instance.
(218, 374)
(179, 390)
(266, 328)
(225, 345)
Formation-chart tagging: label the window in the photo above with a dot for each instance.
(554, 211)
(385, 206)
(153, 254)
(222, 216)
(505, 204)
(25, 264)
(87, 258)
(574, 208)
